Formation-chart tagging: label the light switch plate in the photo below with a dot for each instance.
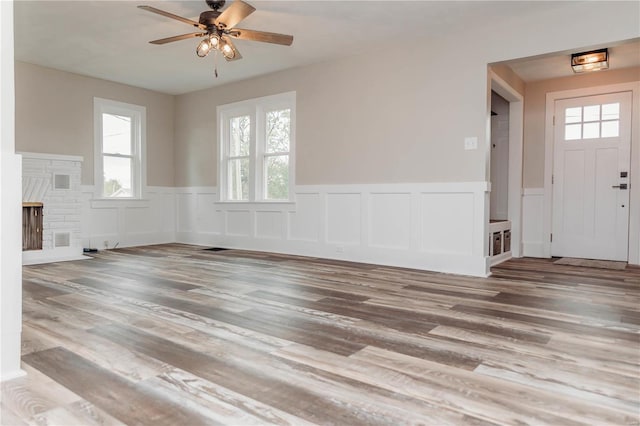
(471, 143)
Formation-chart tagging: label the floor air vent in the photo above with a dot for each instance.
(216, 249)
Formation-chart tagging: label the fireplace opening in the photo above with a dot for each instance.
(31, 226)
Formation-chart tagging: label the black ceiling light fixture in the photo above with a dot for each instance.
(594, 60)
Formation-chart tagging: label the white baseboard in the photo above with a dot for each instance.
(60, 254)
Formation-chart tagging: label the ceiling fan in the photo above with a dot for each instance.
(218, 28)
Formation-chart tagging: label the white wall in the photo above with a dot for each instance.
(10, 209)
(434, 226)
(499, 158)
(127, 223)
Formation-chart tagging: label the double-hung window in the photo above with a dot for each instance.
(256, 146)
(119, 148)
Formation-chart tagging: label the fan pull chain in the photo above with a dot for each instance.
(215, 64)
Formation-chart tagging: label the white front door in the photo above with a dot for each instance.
(591, 177)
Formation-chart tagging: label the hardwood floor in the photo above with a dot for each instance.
(176, 335)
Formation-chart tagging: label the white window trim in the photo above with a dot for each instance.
(139, 177)
(255, 108)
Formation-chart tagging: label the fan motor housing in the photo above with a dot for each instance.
(208, 18)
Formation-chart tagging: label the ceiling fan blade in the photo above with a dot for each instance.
(177, 38)
(236, 12)
(262, 36)
(172, 16)
(236, 55)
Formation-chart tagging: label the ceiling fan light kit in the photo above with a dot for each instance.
(218, 28)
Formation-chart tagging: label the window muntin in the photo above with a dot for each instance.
(592, 122)
(120, 130)
(256, 147)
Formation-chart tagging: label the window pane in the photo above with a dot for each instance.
(610, 129)
(240, 133)
(238, 179)
(591, 113)
(572, 132)
(591, 130)
(573, 115)
(611, 111)
(278, 130)
(116, 134)
(117, 177)
(277, 177)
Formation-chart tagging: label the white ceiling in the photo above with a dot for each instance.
(109, 39)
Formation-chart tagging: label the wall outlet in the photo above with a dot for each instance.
(340, 249)
(471, 143)
(106, 244)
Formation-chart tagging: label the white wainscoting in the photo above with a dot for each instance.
(151, 220)
(532, 218)
(433, 226)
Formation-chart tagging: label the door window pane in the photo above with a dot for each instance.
(591, 113)
(572, 132)
(573, 115)
(239, 179)
(278, 128)
(116, 134)
(277, 177)
(591, 130)
(117, 176)
(611, 111)
(240, 132)
(610, 129)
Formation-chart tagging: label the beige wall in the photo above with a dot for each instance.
(54, 114)
(510, 77)
(351, 127)
(387, 117)
(534, 114)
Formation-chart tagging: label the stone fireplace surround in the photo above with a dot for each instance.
(54, 180)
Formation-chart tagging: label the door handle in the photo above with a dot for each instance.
(621, 186)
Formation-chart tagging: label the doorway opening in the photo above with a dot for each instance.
(504, 230)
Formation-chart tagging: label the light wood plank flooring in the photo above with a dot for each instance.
(176, 335)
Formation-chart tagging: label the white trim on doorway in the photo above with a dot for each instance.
(634, 207)
(516, 120)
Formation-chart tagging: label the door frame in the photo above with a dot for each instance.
(516, 125)
(634, 182)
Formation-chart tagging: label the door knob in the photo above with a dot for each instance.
(621, 186)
